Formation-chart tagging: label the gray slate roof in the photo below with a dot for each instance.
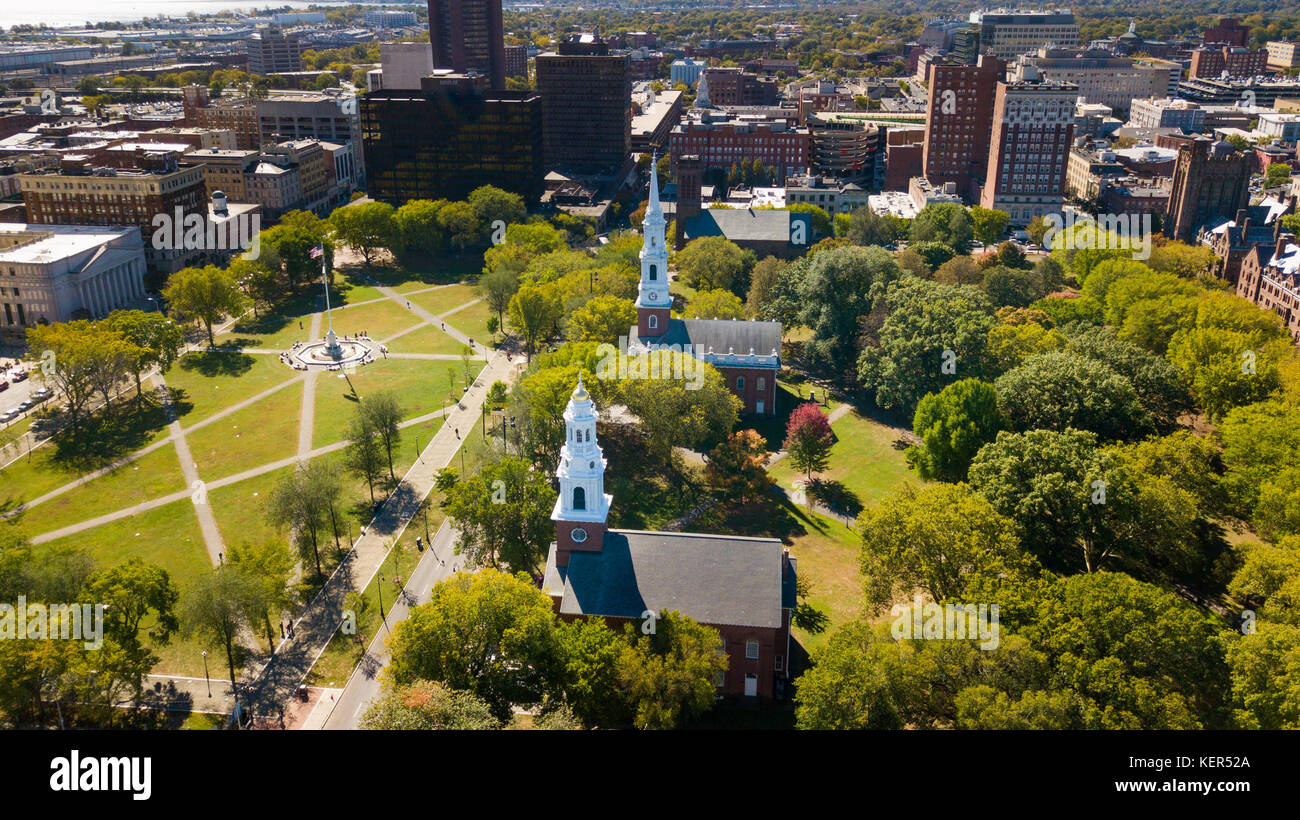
(720, 334)
(744, 224)
(714, 579)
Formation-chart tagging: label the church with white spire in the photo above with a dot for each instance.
(743, 587)
(746, 353)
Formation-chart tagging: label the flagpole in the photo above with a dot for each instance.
(324, 278)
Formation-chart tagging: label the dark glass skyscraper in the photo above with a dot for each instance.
(467, 35)
(450, 137)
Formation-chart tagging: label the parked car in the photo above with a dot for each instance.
(21, 375)
(41, 394)
(4, 385)
(8, 415)
(25, 405)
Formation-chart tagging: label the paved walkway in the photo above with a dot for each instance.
(312, 631)
(307, 418)
(198, 492)
(436, 320)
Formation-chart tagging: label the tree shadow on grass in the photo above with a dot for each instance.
(107, 437)
(214, 363)
(835, 495)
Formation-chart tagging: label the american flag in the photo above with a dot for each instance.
(317, 252)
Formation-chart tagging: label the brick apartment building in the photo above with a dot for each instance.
(1211, 63)
(1033, 129)
(81, 194)
(721, 141)
(467, 35)
(959, 122)
(736, 87)
(1270, 277)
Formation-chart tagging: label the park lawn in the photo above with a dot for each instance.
(427, 339)
(15, 429)
(214, 380)
(378, 320)
(274, 332)
(264, 431)
(151, 476)
(420, 386)
(167, 536)
(863, 460)
(472, 321)
(198, 721)
(445, 299)
(240, 508)
(29, 478)
(828, 557)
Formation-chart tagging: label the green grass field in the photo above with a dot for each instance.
(472, 321)
(427, 339)
(379, 320)
(151, 476)
(214, 380)
(264, 431)
(864, 459)
(827, 556)
(420, 386)
(444, 299)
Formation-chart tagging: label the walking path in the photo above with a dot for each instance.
(295, 656)
(307, 418)
(198, 492)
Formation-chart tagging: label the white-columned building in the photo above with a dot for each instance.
(55, 273)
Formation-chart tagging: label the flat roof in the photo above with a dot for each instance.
(61, 242)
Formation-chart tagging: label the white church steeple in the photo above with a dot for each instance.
(652, 294)
(583, 506)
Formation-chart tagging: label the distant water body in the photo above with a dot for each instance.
(61, 13)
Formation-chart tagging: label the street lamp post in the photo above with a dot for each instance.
(205, 672)
(379, 588)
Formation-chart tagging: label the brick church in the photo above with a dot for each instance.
(742, 587)
(747, 354)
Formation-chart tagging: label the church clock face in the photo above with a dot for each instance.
(578, 534)
(653, 296)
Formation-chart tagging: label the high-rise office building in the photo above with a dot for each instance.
(1033, 127)
(467, 35)
(271, 51)
(450, 137)
(1007, 34)
(587, 104)
(958, 122)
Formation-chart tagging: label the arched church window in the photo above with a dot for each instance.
(654, 273)
(579, 498)
(762, 383)
(740, 382)
(652, 322)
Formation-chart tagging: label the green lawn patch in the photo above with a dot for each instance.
(214, 380)
(472, 321)
(421, 387)
(264, 431)
(150, 476)
(378, 319)
(427, 339)
(864, 460)
(445, 299)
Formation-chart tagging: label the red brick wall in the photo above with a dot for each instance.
(565, 543)
(643, 329)
(750, 394)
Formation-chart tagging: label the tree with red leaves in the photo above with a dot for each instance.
(808, 438)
